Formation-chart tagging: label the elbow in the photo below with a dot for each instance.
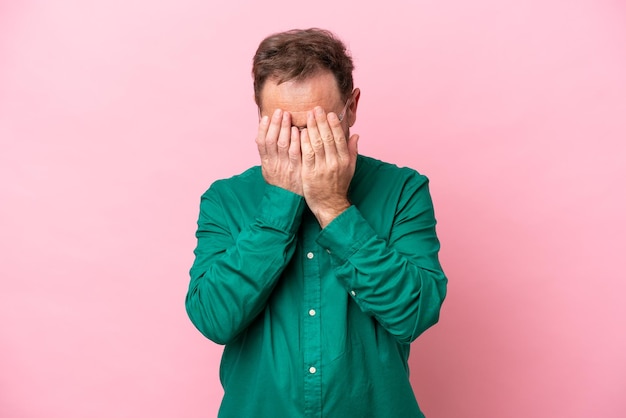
(412, 326)
(206, 322)
(426, 318)
(424, 322)
(428, 308)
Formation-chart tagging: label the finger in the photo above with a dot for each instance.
(264, 124)
(327, 132)
(323, 126)
(273, 131)
(284, 135)
(314, 136)
(308, 155)
(339, 137)
(295, 154)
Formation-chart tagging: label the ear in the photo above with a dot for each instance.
(354, 104)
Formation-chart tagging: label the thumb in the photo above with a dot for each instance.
(353, 143)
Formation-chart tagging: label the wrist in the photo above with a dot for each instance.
(327, 214)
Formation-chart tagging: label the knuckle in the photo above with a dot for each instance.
(317, 145)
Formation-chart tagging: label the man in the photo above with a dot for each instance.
(320, 267)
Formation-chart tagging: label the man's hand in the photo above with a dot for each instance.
(279, 147)
(328, 164)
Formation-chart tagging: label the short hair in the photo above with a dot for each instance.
(301, 53)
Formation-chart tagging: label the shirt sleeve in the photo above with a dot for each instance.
(234, 272)
(399, 280)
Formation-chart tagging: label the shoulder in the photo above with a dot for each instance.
(371, 170)
(244, 182)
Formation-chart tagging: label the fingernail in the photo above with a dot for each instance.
(319, 111)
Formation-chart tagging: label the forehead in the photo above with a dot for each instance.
(301, 95)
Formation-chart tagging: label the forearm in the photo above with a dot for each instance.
(235, 272)
(401, 283)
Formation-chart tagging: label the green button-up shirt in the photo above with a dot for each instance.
(317, 322)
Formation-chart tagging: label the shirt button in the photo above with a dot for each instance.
(353, 293)
(327, 250)
(312, 312)
(310, 256)
(312, 370)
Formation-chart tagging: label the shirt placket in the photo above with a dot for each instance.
(312, 345)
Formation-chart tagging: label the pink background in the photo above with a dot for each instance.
(115, 116)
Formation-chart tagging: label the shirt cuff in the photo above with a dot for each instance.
(346, 234)
(281, 209)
